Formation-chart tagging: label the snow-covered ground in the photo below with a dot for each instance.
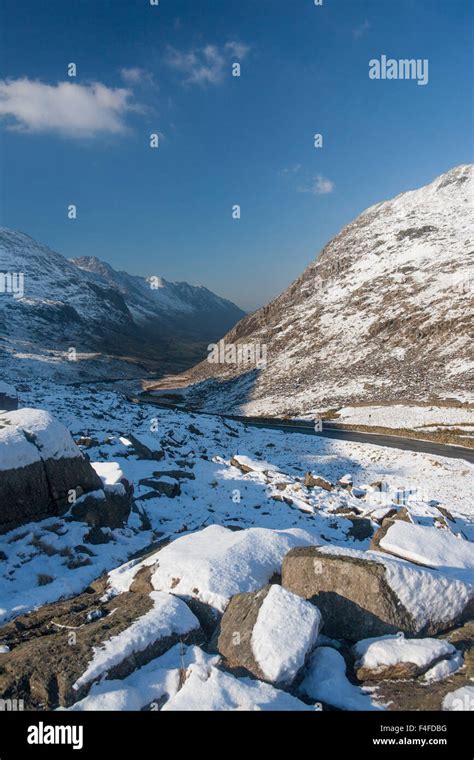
(216, 493)
(406, 416)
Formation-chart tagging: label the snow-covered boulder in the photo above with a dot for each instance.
(209, 567)
(269, 633)
(366, 594)
(394, 657)
(8, 397)
(147, 446)
(388, 520)
(41, 468)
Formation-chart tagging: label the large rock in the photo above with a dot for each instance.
(8, 397)
(58, 652)
(40, 467)
(365, 594)
(429, 691)
(269, 633)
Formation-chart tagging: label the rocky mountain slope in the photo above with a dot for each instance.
(49, 305)
(384, 313)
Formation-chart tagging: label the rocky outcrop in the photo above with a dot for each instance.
(60, 650)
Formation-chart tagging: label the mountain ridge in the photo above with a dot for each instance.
(104, 312)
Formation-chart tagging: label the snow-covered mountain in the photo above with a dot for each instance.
(49, 305)
(384, 312)
(192, 309)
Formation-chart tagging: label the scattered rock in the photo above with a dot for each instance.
(97, 536)
(146, 447)
(361, 528)
(176, 474)
(87, 442)
(345, 482)
(315, 481)
(165, 487)
(106, 508)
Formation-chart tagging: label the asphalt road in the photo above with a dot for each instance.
(379, 439)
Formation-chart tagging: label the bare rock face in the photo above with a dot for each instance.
(269, 633)
(8, 397)
(361, 595)
(58, 651)
(40, 465)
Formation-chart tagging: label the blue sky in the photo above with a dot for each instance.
(223, 140)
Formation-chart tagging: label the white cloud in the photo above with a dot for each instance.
(136, 76)
(206, 65)
(74, 110)
(319, 186)
(361, 29)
